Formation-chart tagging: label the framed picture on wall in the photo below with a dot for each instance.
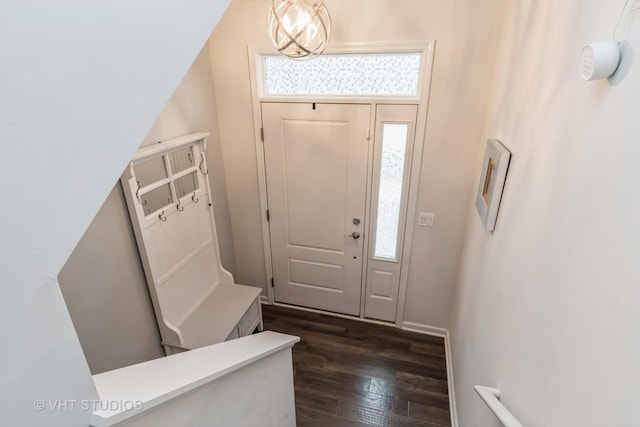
(494, 174)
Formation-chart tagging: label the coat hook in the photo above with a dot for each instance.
(142, 202)
(162, 216)
(194, 198)
(178, 206)
(138, 192)
(201, 166)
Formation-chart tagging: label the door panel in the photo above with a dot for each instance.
(316, 274)
(316, 167)
(311, 151)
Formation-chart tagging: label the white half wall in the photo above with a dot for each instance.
(548, 306)
(466, 33)
(80, 86)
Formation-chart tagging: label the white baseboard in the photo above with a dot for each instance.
(332, 314)
(443, 333)
(424, 329)
(450, 385)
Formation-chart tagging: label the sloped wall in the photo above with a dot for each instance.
(548, 306)
(106, 293)
(80, 86)
(104, 274)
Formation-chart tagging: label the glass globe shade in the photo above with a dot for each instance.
(299, 29)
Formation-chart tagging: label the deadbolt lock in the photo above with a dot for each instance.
(356, 221)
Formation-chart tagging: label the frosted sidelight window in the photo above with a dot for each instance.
(378, 74)
(392, 162)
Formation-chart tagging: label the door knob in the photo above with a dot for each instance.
(355, 235)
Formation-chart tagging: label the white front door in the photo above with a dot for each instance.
(316, 172)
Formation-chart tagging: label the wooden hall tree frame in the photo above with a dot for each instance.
(195, 299)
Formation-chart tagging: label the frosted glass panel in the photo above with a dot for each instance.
(344, 75)
(394, 144)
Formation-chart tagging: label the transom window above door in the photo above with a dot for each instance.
(343, 75)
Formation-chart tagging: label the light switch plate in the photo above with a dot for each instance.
(426, 219)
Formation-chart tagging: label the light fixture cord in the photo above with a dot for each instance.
(619, 19)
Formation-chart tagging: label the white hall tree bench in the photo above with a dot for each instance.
(195, 299)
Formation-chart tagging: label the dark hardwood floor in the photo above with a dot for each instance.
(351, 373)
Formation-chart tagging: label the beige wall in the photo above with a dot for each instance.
(548, 306)
(193, 108)
(465, 33)
(103, 282)
(106, 293)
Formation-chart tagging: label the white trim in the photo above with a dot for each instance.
(416, 167)
(424, 329)
(163, 147)
(367, 206)
(332, 314)
(443, 333)
(345, 100)
(452, 393)
(262, 173)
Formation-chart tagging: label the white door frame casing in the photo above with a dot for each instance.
(426, 49)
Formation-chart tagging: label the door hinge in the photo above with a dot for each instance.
(268, 216)
(369, 135)
(262, 134)
(272, 282)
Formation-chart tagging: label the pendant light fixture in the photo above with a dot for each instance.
(299, 29)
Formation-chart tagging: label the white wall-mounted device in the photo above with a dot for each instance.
(599, 60)
(602, 59)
